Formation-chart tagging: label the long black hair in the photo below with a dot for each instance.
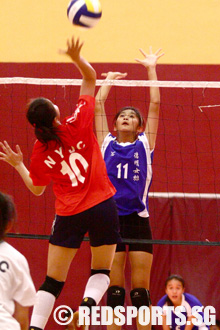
(170, 278)
(41, 114)
(7, 213)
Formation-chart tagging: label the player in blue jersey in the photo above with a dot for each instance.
(128, 157)
(176, 297)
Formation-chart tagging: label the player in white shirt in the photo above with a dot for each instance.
(128, 157)
(17, 291)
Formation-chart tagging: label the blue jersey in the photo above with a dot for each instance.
(129, 167)
(188, 302)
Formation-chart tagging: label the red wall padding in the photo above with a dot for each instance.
(186, 160)
(199, 265)
(187, 154)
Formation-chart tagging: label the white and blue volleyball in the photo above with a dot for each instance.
(84, 13)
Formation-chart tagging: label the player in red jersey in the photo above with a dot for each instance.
(69, 155)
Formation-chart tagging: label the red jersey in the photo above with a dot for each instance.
(76, 167)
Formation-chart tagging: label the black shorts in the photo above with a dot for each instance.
(135, 227)
(100, 221)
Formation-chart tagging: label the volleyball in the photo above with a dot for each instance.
(84, 13)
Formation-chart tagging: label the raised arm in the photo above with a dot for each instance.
(150, 62)
(15, 159)
(86, 70)
(101, 123)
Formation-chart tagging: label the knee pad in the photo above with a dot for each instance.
(96, 286)
(115, 296)
(52, 286)
(100, 271)
(140, 297)
(88, 302)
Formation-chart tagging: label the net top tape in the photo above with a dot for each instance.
(125, 83)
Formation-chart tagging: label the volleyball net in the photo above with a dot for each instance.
(184, 199)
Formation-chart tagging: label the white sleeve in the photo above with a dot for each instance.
(143, 137)
(105, 143)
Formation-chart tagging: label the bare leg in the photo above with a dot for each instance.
(59, 260)
(141, 263)
(97, 284)
(102, 256)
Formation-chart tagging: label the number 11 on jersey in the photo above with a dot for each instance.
(125, 171)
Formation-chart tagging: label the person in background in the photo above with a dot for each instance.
(176, 296)
(17, 291)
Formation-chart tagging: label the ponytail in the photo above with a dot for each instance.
(41, 114)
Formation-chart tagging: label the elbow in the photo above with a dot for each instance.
(155, 101)
(92, 76)
(90, 81)
(38, 191)
(99, 104)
